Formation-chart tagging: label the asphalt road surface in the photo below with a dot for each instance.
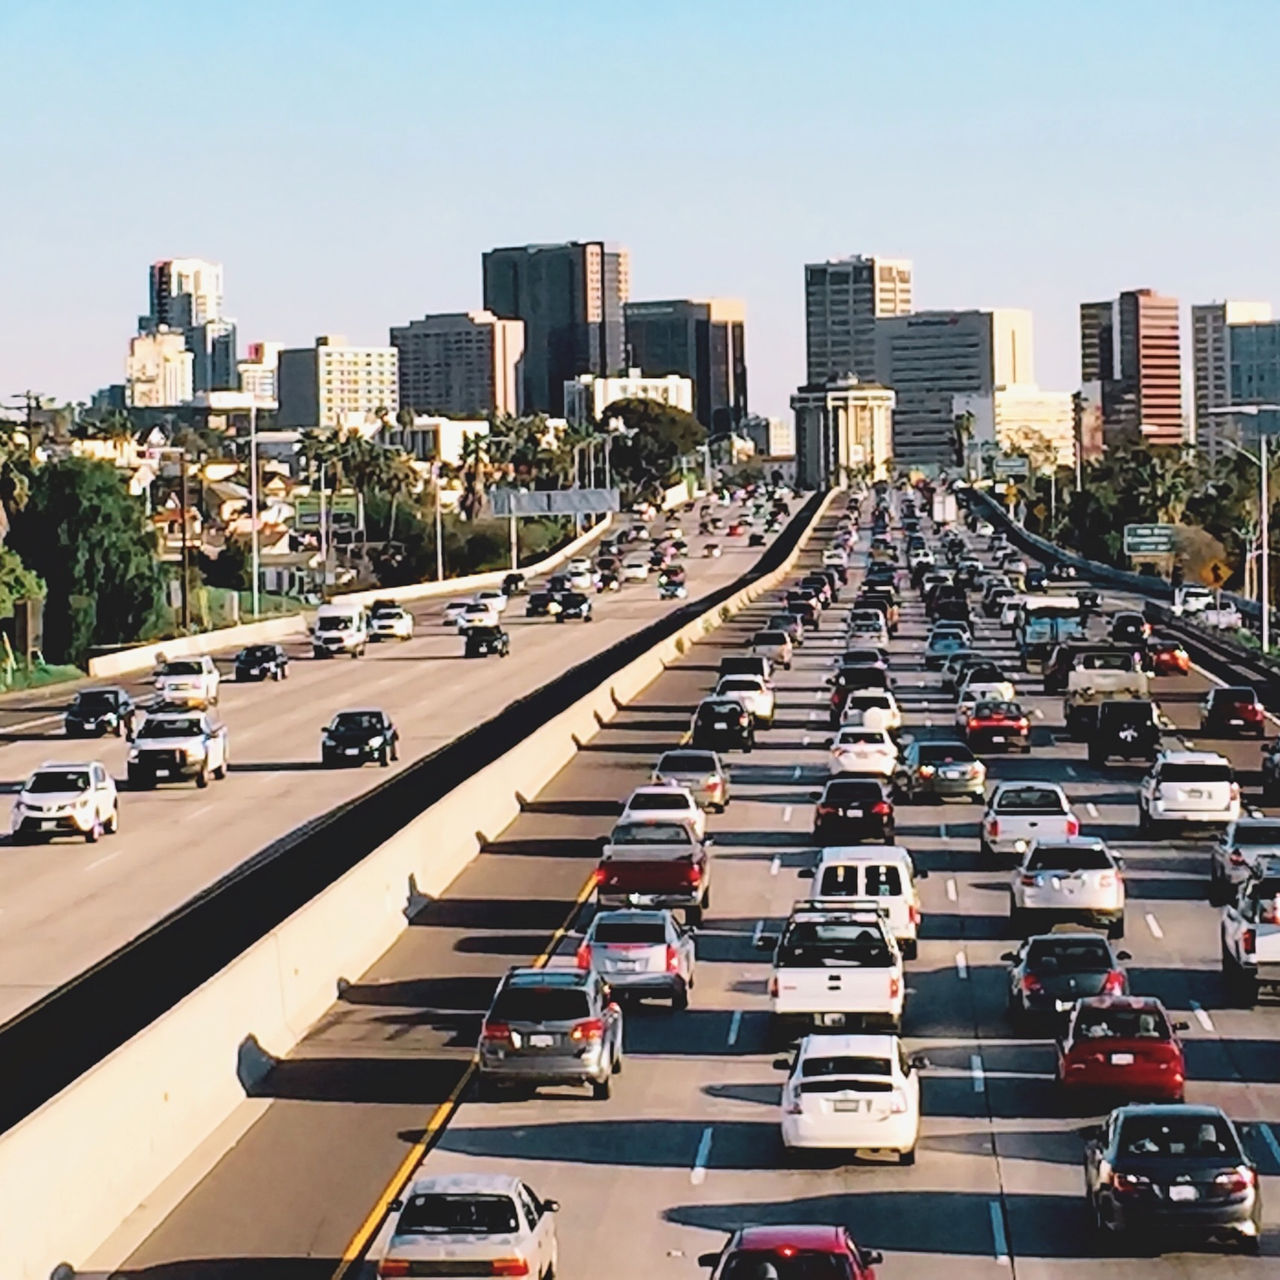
(688, 1147)
(66, 905)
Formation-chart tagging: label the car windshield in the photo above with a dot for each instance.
(1232, 696)
(463, 1215)
(258, 653)
(1178, 1135)
(868, 702)
(1257, 833)
(882, 881)
(49, 781)
(182, 669)
(1069, 955)
(170, 727)
(335, 622)
(357, 722)
(1062, 857)
(853, 791)
(849, 736)
(630, 833)
(1170, 772)
(945, 753)
(485, 633)
(630, 931)
(548, 1003)
(770, 637)
(686, 762)
(997, 710)
(95, 700)
(1104, 662)
(945, 644)
(1094, 1023)
(799, 1265)
(820, 943)
(658, 800)
(1031, 800)
(721, 710)
(740, 684)
(845, 1065)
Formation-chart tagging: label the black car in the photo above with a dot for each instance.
(721, 724)
(1128, 728)
(850, 810)
(263, 662)
(755, 540)
(538, 604)
(1232, 712)
(1051, 971)
(1129, 628)
(482, 641)
(558, 584)
(791, 623)
(354, 737)
(1271, 771)
(1171, 1172)
(998, 724)
(94, 712)
(806, 611)
(513, 585)
(1037, 579)
(573, 604)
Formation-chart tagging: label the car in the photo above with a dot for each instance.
(998, 723)
(1232, 712)
(95, 712)
(538, 604)
(983, 683)
(755, 540)
(580, 574)
(1166, 1173)
(776, 646)
(190, 682)
(746, 664)
(1049, 972)
(849, 809)
(855, 749)
(723, 724)
(1192, 599)
(392, 623)
(635, 569)
(1122, 1047)
(178, 746)
(1167, 657)
(940, 770)
(856, 1093)
(868, 626)
(261, 662)
(470, 1224)
(955, 666)
(1129, 628)
(1019, 813)
(667, 802)
(1185, 788)
(550, 1026)
(753, 691)
(1244, 848)
(800, 1252)
(641, 952)
(1250, 935)
(354, 737)
(480, 641)
(66, 800)
(1126, 727)
(339, 627)
(790, 623)
(1077, 880)
(572, 604)
(942, 646)
(885, 873)
(699, 772)
(865, 656)
(871, 709)
(513, 585)
(479, 613)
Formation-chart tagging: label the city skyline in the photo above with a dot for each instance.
(1065, 220)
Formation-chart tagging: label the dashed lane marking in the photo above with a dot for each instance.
(979, 1074)
(774, 866)
(1092, 808)
(735, 1025)
(999, 1241)
(953, 893)
(698, 1174)
(1202, 1017)
(1154, 925)
(786, 813)
(962, 965)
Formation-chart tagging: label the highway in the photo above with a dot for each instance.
(66, 905)
(688, 1148)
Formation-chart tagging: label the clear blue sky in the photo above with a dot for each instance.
(348, 163)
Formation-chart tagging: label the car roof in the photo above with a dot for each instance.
(1170, 1109)
(842, 855)
(454, 1184)
(1192, 757)
(58, 764)
(359, 711)
(638, 914)
(659, 789)
(828, 1046)
(768, 1239)
(1121, 1002)
(526, 976)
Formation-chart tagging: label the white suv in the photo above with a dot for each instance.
(66, 800)
(191, 682)
(1188, 787)
(755, 692)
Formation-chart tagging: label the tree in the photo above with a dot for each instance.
(84, 534)
(646, 454)
(17, 582)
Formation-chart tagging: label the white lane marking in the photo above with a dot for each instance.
(962, 965)
(998, 1240)
(804, 742)
(774, 865)
(786, 813)
(195, 813)
(1072, 771)
(1201, 1017)
(735, 1025)
(24, 725)
(1154, 925)
(953, 894)
(979, 1074)
(942, 830)
(1039, 715)
(759, 929)
(1270, 1139)
(1092, 808)
(928, 722)
(795, 774)
(815, 715)
(698, 1174)
(106, 857)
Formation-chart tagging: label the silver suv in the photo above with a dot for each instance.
(1078, 881)
(641, 953)
(1188, 787)
(1246, 845)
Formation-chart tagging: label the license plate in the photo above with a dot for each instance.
(1122, 1059)
(47, 825)
(1062, 1006)
(850, 1104)
(162, 773)
(1229, 722)
(353, 751)
(1181, 1193)
(830, 1019)
(626, 966)
(1194, 794)
(541, 1041)
(721, 724)
(852, 813)
(997, 737)
(952, 773)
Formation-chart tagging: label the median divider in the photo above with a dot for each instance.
(128, 1126)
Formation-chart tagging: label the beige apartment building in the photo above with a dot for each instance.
(841, 424)
(159, 370)
(1019, 417)
(336, 385)
(461, 362)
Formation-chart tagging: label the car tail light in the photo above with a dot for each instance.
(1235, 791)
(1130, 1183)
(590, 1029)
(584, 956)
(1248, 940)
(713, 783)
(881, 807)
(1113, 983)
(1023, 723)
(1031, 984)
(508, 1267)
(826, 809)
(1073, 826)
(393, 1267)
(1030, 881)
(673, 960)
(495, 1031)
(898, 1103)
(601, 875)
(1236, 1180)
(993, 828)
(773, 987)
(693, 875)
(744, 720)
(1237, 858)
(895, 987)
(913, 914)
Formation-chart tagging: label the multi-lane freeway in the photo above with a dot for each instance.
(65, 906)
(688, 1147)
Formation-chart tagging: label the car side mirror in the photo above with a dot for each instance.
(1182, 1025)
(551, 1206)
(919, 1062)
(805, 873)
(1009, 957)
(396, 1205)
(782, 1064)
(1123, 955)
(766, 942)
(708, 841)
(922, 875)
(817, 795)
(872, 1257)
(708, 1259)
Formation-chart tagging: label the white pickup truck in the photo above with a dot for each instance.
(1251, 936)
(1097, 679)
(835, 964)
(1020, 813)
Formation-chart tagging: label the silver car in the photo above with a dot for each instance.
(700, 772)
(1078, 880)
(551, 1026)
(1245, 845)
(641, 953)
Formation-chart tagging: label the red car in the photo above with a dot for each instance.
(735, 530)
(1124, 1046)
(1168, 658)
(801, 1252)
(998, 724)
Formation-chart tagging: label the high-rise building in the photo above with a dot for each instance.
(1021, 419)
(334, 385)
(258, 371)
(158, 372)
(1211, 324)
(184, 292)
(587, 397)
(570, 297)
(772, 437)
(929, 357)
(213, 348)
(1254, 363)
(465, 362)
(842, 425)
(1098, 359)
(843, 299)
(703, 340)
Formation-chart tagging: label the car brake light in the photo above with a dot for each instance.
(1023, 723)
(881, 807)
(743, 720)
(1248, 938)
(584, 956)
(393, 1267)
(773, 986)
(1073, 826)
(1030, 881)
(508, 1267)
(898, 1103)
(1237, 858)
(673, 960)
(895, 987)
(1031, 983)
(827, 809)
(993, 828)
(1130, 1183)
(600, 875)
(1235, 791)
(495, 1031)
(1236, 1180)
(913, 914)
(713, 783)
(591, 1029)
(693, 875)
(1113, 983)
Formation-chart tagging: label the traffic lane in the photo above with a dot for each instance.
(343, 1114)
(69, 904)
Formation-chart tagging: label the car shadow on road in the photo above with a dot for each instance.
(498, 914)
(284, 766)
(414, 1079)
(225, 1268)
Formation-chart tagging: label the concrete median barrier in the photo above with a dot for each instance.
(188, 1082)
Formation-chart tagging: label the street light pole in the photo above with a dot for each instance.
(253, 498)
(439, 529)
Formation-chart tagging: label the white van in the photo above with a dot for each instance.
(339, 628)
(884, 872)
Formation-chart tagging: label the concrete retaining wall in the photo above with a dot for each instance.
(127, 1125)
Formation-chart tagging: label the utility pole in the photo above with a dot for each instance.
(439, 529)
(253, 498)
(186, 560)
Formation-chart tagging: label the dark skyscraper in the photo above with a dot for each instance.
(570, 297)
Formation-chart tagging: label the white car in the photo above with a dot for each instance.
(1020, 812)
(1188, 787)
(852, 1093)
(636, 570)
(753, 691)
(582, 577)
(972, 692)
(872, 709)
(472, 1224)
(666, 802)
(391, 624)
(493, 597)
(885, 872)
(479, 613)
(985, 529)
(453, 612)
(867, 627)
(191, 682)
(66, 800)
(1192, 599)
(1075, 880)
(857, 749)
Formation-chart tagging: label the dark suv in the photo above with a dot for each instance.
(720, 724)
(482, 641)
(1126, 728)
(849, 810)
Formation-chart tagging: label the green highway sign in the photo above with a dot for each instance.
(1010, 468)
(342, 509)
(1148, 539)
